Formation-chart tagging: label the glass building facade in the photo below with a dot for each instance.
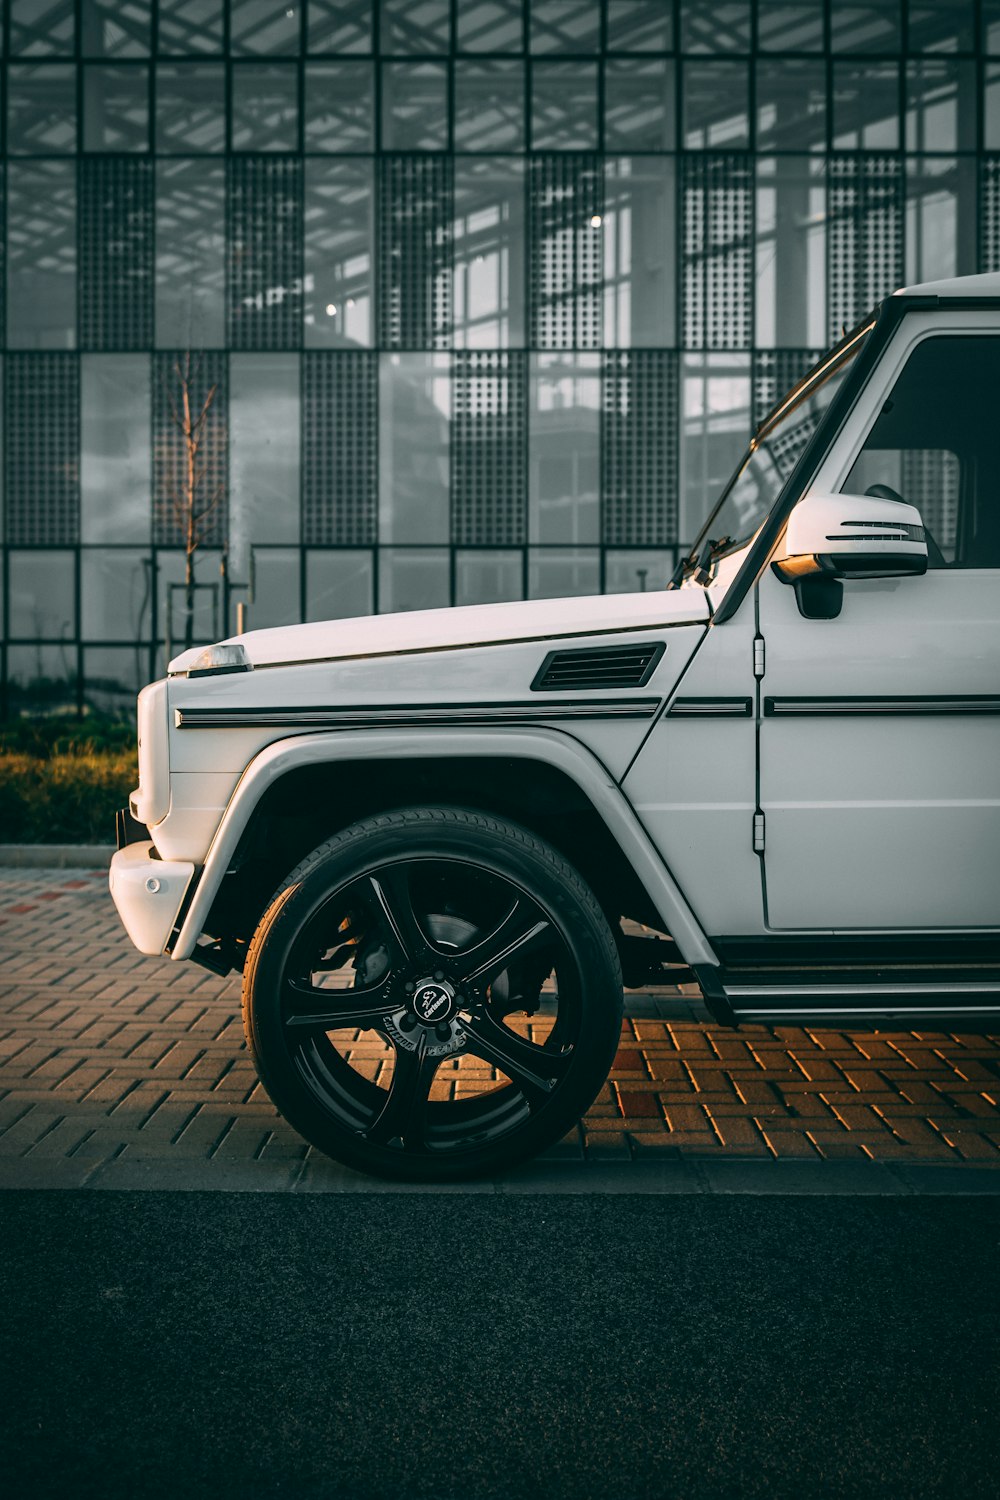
(486, 294)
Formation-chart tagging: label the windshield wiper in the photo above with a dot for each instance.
(702, 564)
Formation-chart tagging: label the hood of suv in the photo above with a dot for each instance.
(470, 625)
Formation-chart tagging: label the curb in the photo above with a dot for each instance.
(55, 856)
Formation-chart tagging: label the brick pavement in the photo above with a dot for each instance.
(109, 1057)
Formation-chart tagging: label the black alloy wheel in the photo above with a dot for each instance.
(433, 994)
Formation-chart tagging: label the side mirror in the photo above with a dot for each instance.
(852, 536)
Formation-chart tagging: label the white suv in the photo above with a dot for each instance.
(435, 843)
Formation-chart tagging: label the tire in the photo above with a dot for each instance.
(391, 984)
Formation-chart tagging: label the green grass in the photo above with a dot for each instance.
(62, 781)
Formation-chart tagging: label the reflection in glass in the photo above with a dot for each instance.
(265, 26)
(940, 105)
(639, 26)
(564, 448)
(190, 107)
(339, 585)
(413, 578)
(414, 449)
(488, 238)
(263, 453)
(41, 679)
(941, 25)
(41, 109)
(339, 26)
(190, 254)
(639, 248)
(723, 26)
(717, 104)
(115, 28)
(866, 106)
(565, 25)
(489, 105)
(41, 255)
(790, 28)
(940, 218)
(564, 106)
(415, 106)
(871, 26)
(114, 448)
(563, 572)
(791, 252)
(112, 677)
(275, 588)
(42, 27)
(991, 105)
(715, 426)
(490, 26)
(42, 595)
(488, 577)
(640, 104)
(638, 572)
(115, 108)
(171, 595)
(791, 104)
(116, 594)
(190, 26)
(265, 107)
(414, 26)
(340, 105)
(338, 253)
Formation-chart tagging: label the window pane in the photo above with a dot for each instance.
(115, 28)
(413, 578)
(790, 28)
(339, 256)
(340, 105)
(716, 104)
(264, 453)
(112, 676)
(640, 105)
(114, 448)
(715, 428)
(414, 448)
(339, 585)
(866, 106)
(275, 588)
(723, 26)
(639, 26)
(339, 26)
(265, 26)
(190, 26)
(941, 106)
(115, 594)
(41, 679)
(562, 572)
(565, 25)
(115, 109)
(941, 26)
(870, 27)
(415, 26)
(41, 252)
(637, 572)
(488, 577)
(42, 27)
(564, 448)
(42, 595)
(415, 106)
(491, 26)
(41, 109)
(489, 105)
(265, 107)
(190, 254)
(564, 106)
(190, 107)
(791, 253)
(791, 104)
(207, 622)
(940, 218)
(489, 253)
(639, 251)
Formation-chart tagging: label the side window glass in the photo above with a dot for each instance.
(936, 445)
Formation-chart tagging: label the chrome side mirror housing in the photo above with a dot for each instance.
(851, 536)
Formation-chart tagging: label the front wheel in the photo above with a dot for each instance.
(433, 994)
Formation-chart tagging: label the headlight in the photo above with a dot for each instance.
(215, 660)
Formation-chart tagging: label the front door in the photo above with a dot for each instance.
(879, 742)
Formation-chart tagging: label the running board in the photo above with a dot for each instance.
(899, 998)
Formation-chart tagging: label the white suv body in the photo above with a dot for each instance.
(788, 763)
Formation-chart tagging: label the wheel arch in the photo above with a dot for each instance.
(300, 790)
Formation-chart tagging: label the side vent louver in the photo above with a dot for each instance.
(626, 666)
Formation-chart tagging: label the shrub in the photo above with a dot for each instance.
(62, 781)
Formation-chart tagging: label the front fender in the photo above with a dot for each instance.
(545, 745)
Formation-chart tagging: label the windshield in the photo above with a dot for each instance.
(775, 449)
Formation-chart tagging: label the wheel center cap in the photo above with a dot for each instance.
(433, 1000)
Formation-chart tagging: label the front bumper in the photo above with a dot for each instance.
(148, 893)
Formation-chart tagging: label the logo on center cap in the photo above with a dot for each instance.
(431, 1003)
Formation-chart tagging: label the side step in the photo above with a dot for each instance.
(785, 992)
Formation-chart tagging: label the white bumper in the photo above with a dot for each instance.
(148, 894)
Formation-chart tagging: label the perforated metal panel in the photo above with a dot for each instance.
(415, 213)
(42, 400)
(775, 371)
(864, 235)
(203, 371)
(116, 252)
(340, 448)
(489, 449)
(565, 216)
(639, 448)
(265, 252)
(989, 213)
(718, 252)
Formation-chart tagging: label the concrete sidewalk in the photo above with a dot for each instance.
(122, 1071)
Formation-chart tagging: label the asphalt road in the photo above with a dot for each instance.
(456, 1347)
